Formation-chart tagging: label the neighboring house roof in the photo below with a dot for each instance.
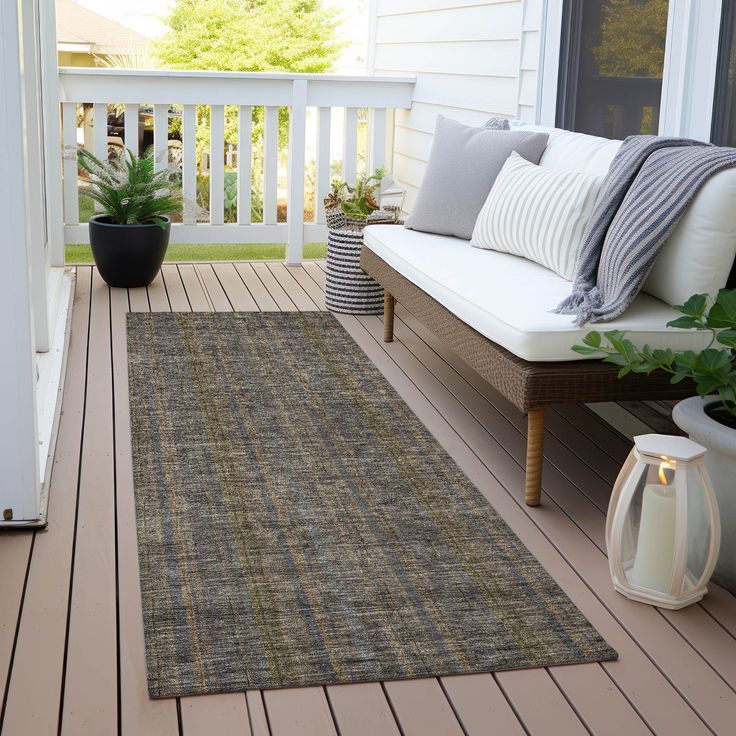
(81, 30)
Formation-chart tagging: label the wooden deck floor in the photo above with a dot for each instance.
(71, 638)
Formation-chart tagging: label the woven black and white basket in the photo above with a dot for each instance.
(348, 289)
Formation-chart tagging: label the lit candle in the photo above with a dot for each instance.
(655, 549)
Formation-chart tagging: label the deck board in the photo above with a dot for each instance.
(224, 715)
(541, 705)
(421, 708)
(262, 296)
(199, 301)
(677, 670)
(302, 711)
(236, 290)
(361, 710)
(477, 701)
(90, 701)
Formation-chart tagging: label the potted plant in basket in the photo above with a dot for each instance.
(708, 418)
(348, 209)
(360, 203)
(130, 234)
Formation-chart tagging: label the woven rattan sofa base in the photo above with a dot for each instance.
(528, 386)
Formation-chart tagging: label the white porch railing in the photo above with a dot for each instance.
(297, 92)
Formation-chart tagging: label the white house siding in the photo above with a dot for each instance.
(473, 59)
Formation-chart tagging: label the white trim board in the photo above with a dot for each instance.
(51, 368)
(691, 61)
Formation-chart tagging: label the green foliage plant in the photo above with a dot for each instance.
(129, 189)
(712, 369)
(357, 201)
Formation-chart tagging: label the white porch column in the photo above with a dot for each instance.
(51, 132)
(19, 482)
(34, 162)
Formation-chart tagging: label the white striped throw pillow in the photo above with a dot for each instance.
(537, 213)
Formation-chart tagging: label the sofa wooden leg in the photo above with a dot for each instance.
(388, 317)
(534, 456)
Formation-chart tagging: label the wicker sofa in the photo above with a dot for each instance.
(493, 310)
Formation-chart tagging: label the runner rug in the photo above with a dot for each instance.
(298, 525)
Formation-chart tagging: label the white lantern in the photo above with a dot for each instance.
(663, 529)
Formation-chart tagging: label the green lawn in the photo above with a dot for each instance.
(80, 253)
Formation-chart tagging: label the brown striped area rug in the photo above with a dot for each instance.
(298, 525)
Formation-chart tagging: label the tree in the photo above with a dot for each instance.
(632, 38)
(249, 36)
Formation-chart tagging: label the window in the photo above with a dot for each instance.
(723, 130)
(611, 62)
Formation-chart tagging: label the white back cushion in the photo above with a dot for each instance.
(569, 151)
(698, 256)
(537, 213)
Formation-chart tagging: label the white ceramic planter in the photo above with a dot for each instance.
(689, 416)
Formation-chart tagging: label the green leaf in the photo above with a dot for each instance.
(723, 311)
(713, 359)
(694, 306)
(617, 359)
(727, 337)
(593, 339)
(687, 323)
(585, 350)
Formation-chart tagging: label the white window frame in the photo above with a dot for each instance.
(689, 76)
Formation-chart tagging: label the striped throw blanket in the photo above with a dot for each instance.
(649, 185)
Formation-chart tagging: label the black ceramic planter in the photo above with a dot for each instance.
(128, 255)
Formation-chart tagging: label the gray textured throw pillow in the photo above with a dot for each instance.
(463, 164)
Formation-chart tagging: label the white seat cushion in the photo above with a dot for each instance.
(507, 299)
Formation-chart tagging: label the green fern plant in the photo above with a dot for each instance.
(129, 190)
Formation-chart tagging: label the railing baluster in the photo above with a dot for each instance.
(189, 162)
(161, 136)
(99, 135)
(322, 183)
(350, 145)
(217, 164)
(69, 133)
(270, 164)
(99, 123)
(245, 133)
(377, 138)
(131, 128)
(297, 146)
